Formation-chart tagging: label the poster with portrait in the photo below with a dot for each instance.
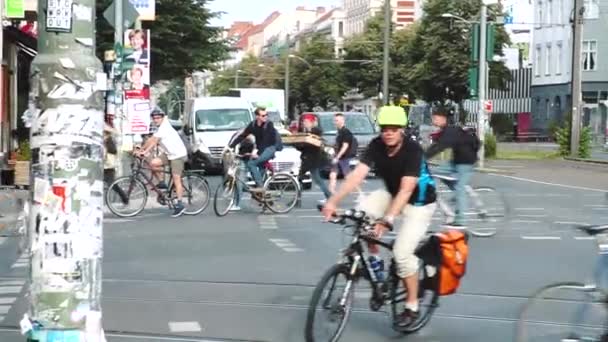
(138, 78)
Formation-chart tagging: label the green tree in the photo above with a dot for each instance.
(254, 73)
(181, 37)
(318, 84)
(439, 55)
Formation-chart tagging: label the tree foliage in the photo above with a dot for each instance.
(254, 73)
(181, 37)
(429, 59)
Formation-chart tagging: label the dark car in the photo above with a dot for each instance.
(360, 124)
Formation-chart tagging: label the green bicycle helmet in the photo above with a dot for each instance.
(392, 116)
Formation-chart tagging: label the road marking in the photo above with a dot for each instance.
(10, 289)
(267, 222)
(286, 245)
(7, 300)
(584, 238)
(180, 327)
(531, 215)
(529, 209)
(309, 216)
(571, 223)
(4, 309)
(12, 282)
(525, 221)
(549, 183)
(541, 237)
(596, 205)
(117, 220)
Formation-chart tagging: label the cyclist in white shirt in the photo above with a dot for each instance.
(175, 154)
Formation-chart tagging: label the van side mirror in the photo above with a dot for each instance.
(188, 130)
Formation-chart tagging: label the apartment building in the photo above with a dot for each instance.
(552, 64)
(331, 25)
(357, 12)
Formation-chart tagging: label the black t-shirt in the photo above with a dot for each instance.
(344, 135)
(409, 161)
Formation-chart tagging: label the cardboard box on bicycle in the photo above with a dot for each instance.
(302, 138)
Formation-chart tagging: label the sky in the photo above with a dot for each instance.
(258, 10)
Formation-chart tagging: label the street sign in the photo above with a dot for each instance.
(129, 14)
(488, 106)
(508, 19)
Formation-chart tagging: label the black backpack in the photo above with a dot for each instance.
(471, 138)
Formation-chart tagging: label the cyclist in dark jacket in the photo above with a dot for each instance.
(464, 157)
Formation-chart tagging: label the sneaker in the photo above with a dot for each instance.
(407, 318)
(179, 210)
(235, 208)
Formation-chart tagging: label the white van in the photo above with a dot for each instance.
(213, 121)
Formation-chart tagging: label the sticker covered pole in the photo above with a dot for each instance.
(65, 222)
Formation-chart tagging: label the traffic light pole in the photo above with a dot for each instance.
(481, 117)
(577, 101)
(66, 219)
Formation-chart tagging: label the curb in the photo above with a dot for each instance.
(590, 161)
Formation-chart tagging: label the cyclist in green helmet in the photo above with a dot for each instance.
(410, 190)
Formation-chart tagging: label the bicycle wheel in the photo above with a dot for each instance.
(126, 197)
(196, 194)
(427, 296)
(278, 187)
(489, 208)
(223, 199)
(336, 311)
(568, 311)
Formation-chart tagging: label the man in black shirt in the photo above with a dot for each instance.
(344, 151)
(265, 139)
(464, 156)
(410, 190)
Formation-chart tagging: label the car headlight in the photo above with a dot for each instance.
(200, 145)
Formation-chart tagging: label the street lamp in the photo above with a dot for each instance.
(287, 78)
(481, 117)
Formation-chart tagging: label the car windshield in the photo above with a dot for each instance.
(275, 117)
(357, 124)
(221, 119)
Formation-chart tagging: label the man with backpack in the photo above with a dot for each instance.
(267, 142)
(464, 147)
(346, 149)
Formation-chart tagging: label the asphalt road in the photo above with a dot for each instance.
(249, 277)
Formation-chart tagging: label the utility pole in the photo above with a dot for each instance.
(481, 117)
(387, 37)
(66, 220)
(287, 84)
(576, 86)
(119, 115)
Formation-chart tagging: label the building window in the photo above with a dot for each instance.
(537, 60)
(340, 29)
(560, 58)
(550, 12)
(548, 59)
(592, 9)
(589, 55)
(559, 11)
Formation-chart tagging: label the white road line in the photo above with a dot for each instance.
(180, 327)
(278, 240)
(584, 238)
(293, 249)
(4, 309)
(10, 289)
(549, 183)
(310, 216)
(541, 237)
(596, 205)
(7, 300)
(525, 221)
(19, 266)
(531, 215)
(285, 244)
(2, 240)
(529, 209)
(12, 282)
(571, 223)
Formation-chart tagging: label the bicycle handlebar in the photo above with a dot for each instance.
(359, 217)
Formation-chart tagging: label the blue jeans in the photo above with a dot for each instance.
(315, 175)
(463, 174)
(254, 165)
(239, 186)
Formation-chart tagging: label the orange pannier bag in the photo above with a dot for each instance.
(453, 245)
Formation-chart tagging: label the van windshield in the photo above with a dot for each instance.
(275, 117)
(221, 119)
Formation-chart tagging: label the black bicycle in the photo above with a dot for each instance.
(127, 196)
(391, 291)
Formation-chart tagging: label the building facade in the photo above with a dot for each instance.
(552, 64)
(331, 25)
(357, 12)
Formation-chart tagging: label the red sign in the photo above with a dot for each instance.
(487, 106)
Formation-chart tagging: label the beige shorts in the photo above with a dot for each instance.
(177, 165)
